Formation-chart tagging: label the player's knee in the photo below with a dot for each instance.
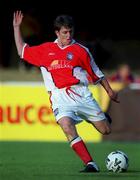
(106, 131)
(67, 128)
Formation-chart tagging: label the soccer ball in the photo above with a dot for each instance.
(117, 161)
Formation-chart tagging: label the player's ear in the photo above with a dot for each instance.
(57, 33)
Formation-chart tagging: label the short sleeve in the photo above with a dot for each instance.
(34, 54)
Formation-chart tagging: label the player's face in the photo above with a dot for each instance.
(64, 36)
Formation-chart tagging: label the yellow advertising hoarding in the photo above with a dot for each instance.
(25, 114)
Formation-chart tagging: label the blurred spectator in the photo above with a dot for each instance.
(123, 75)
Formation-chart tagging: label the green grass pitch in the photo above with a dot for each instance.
(56, 161)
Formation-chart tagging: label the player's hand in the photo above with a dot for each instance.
(17, 18)
(114, 96)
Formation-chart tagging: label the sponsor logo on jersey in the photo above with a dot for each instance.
(69, 56)
(60, 64)
(55, 62)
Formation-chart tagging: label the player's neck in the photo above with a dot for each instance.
(62, 45)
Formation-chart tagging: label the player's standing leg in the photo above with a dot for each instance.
(77, 144)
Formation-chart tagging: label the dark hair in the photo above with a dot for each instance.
(63, 20)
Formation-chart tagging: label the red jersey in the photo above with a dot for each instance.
(63, 67)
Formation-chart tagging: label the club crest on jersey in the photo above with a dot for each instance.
(69, 56)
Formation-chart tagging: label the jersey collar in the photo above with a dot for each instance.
(72, 42)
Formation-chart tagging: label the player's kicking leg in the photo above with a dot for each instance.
(103, 126)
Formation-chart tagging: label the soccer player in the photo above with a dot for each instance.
(64, 65)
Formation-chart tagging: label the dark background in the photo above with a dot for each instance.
(110, 29)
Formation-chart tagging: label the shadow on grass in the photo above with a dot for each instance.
(104, 174)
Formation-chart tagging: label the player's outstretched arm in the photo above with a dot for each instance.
(17, 20)
(112, 94)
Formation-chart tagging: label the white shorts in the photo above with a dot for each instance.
(77, 103)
